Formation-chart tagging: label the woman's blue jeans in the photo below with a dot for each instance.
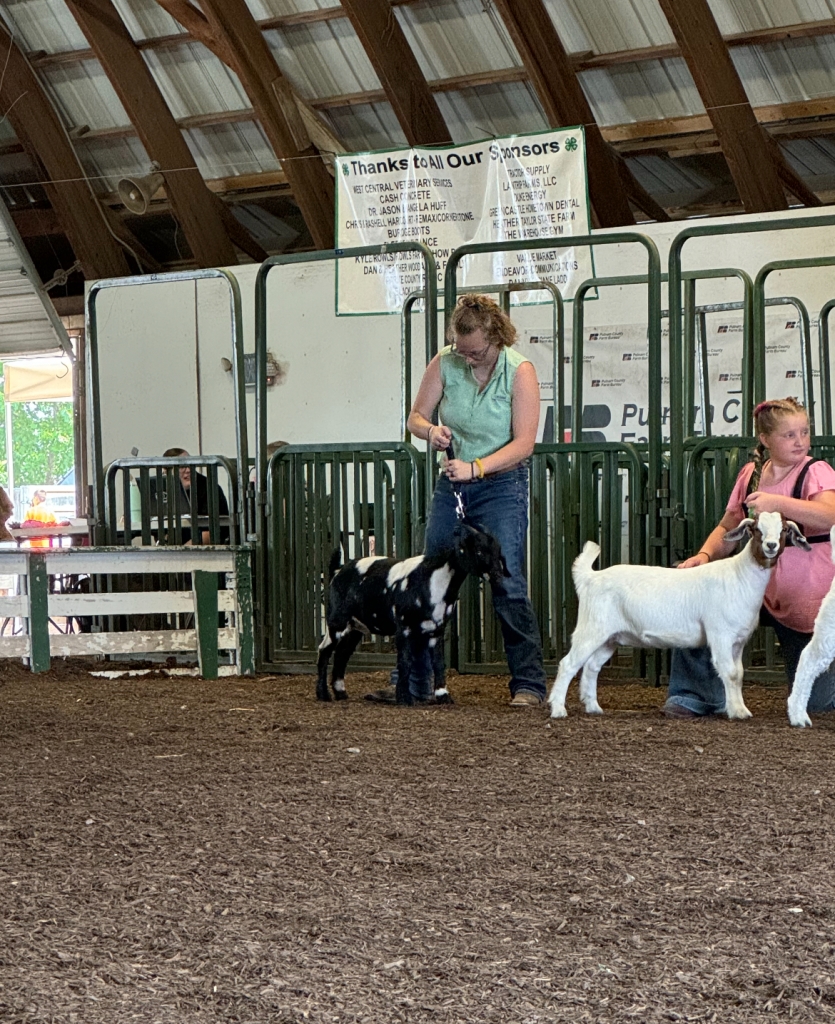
(498, 503)
(695, 685)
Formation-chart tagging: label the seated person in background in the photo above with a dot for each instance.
(38, 514)
(198, 481)
(272, 448)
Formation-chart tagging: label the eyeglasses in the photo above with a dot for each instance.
(475, 356)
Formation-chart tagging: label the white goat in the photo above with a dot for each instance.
(715, 605)
(817, 655)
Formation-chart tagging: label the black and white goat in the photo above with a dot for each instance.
(816, 656)
(411, 599)
(715, 605)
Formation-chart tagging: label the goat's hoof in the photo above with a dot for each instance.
(594, 709)
(440, 697)
(558, 712)
(340, 695)
(740, 714)
(323, 695)
(800, 719)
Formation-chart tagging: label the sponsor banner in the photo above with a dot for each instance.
(509, 189)
(615, 382)
(616, 378)
(783, 366)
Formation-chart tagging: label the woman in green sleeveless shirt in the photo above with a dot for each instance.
(487, 396)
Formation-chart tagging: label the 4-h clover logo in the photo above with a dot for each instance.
(571, 144)
(345, 169)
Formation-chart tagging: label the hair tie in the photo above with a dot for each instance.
(761, 407)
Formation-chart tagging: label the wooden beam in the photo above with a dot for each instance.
(239, 234)
(743, 142)
(581, 61)
(397, 68)
(228, 29)
(37, 222)
(565, 103)
(501, 76)
(194, 206)
(637, 193)
(68, 305)
(145, 259)
(37, 126)
(789, 177)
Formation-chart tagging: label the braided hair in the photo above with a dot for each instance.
(766, 418)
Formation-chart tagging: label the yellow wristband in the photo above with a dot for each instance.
(480, 465)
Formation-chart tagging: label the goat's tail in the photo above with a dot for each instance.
(335, 563)
(581, 570)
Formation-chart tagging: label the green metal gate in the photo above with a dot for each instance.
(364, 499)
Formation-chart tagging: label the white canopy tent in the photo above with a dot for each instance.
(48, 379)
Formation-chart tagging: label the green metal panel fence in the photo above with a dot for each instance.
(240, 422)
(579, 491)
(363, 498)
(150, 502)
(681, 543)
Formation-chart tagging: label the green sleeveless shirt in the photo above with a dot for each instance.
(479, 420)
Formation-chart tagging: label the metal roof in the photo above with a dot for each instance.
(449, 37)
(28, 321)
(324, 60)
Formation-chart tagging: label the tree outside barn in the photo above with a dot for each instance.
(42, 443)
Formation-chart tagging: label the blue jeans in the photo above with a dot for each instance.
(498, 503)
(695, 685)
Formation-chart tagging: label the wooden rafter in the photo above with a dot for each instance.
(803, 119)
(677, 136)
(306, 125)
(397, 68)
(229, 30)
(584, 61)
(564, 102)
(44, 137)
(195, 208)
(748, 155)
(142, 256)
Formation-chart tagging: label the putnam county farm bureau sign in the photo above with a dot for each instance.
(523, 187)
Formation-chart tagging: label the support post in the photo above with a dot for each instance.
(38, 588)
(243, 588)
(205, 620)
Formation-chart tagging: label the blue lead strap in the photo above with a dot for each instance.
(456, 490)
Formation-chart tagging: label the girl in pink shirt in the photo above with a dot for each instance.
(803, 489)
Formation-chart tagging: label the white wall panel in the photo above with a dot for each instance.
(343, 374)
(147, 369)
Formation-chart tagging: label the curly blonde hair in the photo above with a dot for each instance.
(481, 313)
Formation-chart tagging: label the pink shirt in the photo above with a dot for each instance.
(801, 579)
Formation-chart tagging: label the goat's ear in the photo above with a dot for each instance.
(795, 537)
(743, 530)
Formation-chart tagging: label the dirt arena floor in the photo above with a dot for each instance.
(173, 850)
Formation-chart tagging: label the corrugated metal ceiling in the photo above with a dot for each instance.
(450, 38)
